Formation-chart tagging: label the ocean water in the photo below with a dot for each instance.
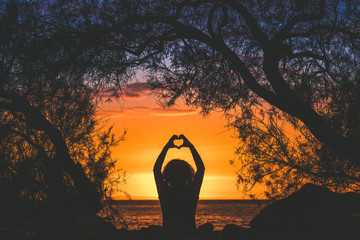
(143, 213)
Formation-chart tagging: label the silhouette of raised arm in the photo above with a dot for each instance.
(200, 167)
(159, 162)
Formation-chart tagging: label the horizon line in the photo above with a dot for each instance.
(206, 198)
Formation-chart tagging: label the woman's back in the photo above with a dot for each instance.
(179, 208)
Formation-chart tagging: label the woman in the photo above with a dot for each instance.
(178, 187)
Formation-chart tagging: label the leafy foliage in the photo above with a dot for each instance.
(55, 155)
(287, 71)
(28, 154)
(276, 66)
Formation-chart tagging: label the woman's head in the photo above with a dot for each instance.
(178, 173)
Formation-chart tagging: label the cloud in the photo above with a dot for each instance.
(173, 112)
(136, 90)
(129, 91)
(129, 94)
(145, 111)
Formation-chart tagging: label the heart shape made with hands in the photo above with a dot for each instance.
(178, 143)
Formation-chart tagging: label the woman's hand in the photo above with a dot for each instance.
(186, 142)
(170, 143)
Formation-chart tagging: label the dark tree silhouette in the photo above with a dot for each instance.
(277, 61)
(287, 59)
(31, 175)
(53, 154)
(274, 49)
(279, 152)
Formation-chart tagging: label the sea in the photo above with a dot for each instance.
(143, 213)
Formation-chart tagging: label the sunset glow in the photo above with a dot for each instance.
(148, 129)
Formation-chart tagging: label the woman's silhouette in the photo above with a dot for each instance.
(178, 187)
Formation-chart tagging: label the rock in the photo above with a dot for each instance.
(94, 222)
(206, 227)
(233, 231)
(155, 228)
(205, 230)
(312, 208)
(152, 228)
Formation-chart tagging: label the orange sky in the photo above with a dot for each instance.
(148, 129)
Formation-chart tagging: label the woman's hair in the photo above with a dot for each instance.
(178, 172)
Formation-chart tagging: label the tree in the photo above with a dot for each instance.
(295, 56)
(52, 153)
(28, 176)
(280, 59)
(278, 151)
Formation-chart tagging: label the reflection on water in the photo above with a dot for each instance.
(143, 213)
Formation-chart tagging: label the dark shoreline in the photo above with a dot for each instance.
(313, 212)
(96, 228)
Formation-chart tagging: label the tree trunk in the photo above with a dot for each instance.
(62, 162)
(290, 103)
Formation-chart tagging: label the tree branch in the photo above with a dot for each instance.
(253, 26)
